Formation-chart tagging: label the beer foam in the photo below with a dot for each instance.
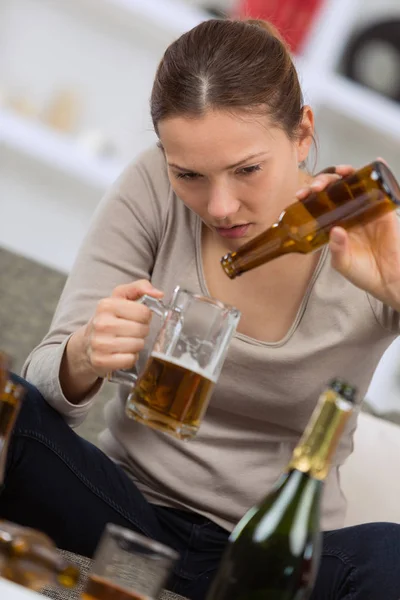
(187, 362)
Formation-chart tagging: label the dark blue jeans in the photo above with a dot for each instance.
(63, 485)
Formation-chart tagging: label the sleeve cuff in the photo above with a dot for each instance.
(43, 371)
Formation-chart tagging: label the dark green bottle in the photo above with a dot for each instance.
(273, 553)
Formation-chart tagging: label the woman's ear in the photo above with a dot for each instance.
(305, 136)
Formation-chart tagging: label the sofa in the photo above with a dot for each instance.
(370, 477)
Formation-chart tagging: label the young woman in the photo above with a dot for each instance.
(234, 135)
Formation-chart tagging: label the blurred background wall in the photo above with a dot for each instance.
(75, 79)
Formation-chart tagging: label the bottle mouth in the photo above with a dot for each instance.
(344, 389)
(227, 265)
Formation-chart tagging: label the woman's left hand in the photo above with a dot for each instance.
(367, 255)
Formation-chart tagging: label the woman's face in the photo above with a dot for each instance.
(235, 170)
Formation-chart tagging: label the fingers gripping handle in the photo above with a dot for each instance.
(129, 376)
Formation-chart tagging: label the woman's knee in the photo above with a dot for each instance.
(359, 539)
(380, 542)
(367, 560)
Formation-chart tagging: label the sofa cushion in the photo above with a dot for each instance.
(369, 477)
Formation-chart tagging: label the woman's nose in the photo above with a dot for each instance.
(222, 204)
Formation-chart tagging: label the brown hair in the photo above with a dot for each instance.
(229, 64)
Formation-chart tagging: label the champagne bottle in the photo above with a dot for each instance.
(305, 225)
(273, 553)
(27, 557)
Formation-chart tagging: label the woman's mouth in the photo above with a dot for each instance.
(236, 231)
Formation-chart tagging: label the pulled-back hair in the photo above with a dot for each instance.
(229, 64)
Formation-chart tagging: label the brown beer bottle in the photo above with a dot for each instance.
(27, 557)
(305, 225)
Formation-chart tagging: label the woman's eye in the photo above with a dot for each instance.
(249, 170)
(187, 176)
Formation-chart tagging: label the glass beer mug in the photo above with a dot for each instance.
(173, 391)
(128, 566)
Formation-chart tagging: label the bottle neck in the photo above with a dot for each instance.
(313, 453)
(274, 242)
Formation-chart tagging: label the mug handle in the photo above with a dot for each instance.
(129, 376)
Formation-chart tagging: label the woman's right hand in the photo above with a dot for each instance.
(117, 331)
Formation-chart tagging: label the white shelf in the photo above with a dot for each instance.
(364, 106)
(164, 19)
(172, 15)
(159, 21)
(57, 151)
(343, 96)
(330, 32)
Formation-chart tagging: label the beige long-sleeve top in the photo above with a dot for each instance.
(266, 391)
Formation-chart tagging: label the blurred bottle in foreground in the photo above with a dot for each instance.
(274, 550)
(11, 396)
(27, 557)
